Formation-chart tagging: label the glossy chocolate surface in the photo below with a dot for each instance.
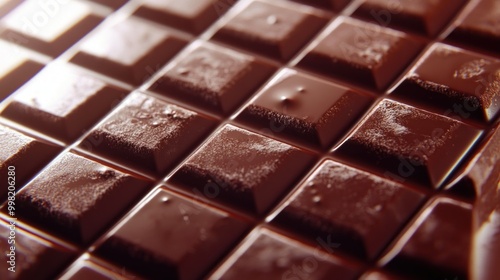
(356, 210)
(49, 32)
(271, 139)
(456, 81)
(131, 50)
(62, 102)
(361, 53)
(269, 255)
(212, 78)
(148, 133)
(480, 29)
(77, 198)
(437, 244)
(336, 5)
(90, 267)
(35, 258)
(16, 68)
(305, 109)
(270, 29)
(242, 169)
(190, 15)
(425, 16)
(28, 154)
(405, 143)
(171, 237)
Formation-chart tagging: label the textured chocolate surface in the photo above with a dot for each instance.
(171, 237)
(426, 16)
(62, 102)
(269, 255)
(405, 143)
(276, 136)
(358, 211)
(148, 133)
(437, 244)
(24, 153)
(131, 50)
(456, 81)
(77, 198)
(305, 109)
(212, 78)
(361, 53)
(270, 29)
(49, 28)
(242, 169)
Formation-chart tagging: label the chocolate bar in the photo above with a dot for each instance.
(272, 139)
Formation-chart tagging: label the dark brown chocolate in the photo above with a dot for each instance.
(77, 198)
(190, 15)
(213, 78)
(482, 173)
(147, 133)
(481, 177)
(23, 153)
(271, 29)
(243, 169)
(457, 82)
(405, 143)
(358, 211)
(33, 257)
(16, 68)
(480, 28)
(361, 53)
(49, 27)
(269, 255)
(169, 237)
(425, 16)
(437, 244)
(62, 102)
(336, 5)
(305, 109)
(90, 267)
(131, 50)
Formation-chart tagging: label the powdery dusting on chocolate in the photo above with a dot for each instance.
(372, 49)
(71, 186)
(492, 91)
(301, 125)
(211, 72)
(335, 179)
(144, 123)
(386, 131)
(12, 143)
(240, 157)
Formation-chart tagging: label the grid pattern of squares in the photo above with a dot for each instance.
(223, 139)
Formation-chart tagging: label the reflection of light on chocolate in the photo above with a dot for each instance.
(486, 248)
